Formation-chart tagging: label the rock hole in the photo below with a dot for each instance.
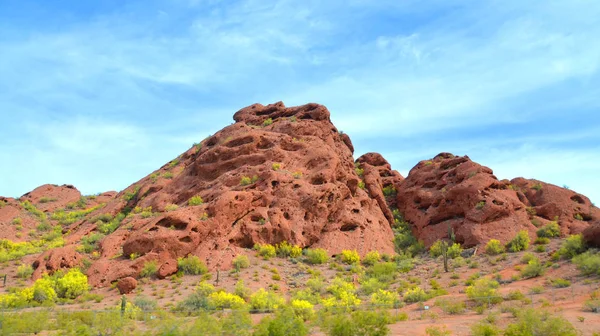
(172, 222)
(429, 185)
(274, 184)
(186, 239)
(577, 199)
(349, 227)
(355, 211)
(239, 141)
(286, 215)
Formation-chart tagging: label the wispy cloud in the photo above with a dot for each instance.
(505, 82)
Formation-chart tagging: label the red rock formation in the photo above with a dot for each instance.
(50, 197)
(126, 285)
(378, 174)
(455, 192)
(57, 259)
(276, 174)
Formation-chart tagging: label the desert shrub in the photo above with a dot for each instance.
(107, 228)
(527, 257)
(303, 309)
(537, 322)
(223, 300)
(267, 251)
(483, 291)
(284, 250)
(315, 284)
(572, 246)
(485, 329)
(515, 295)
(541, 241)
(171, 207)
(149, 269)
(24, 271)
(285, 322)
(372, 285)
(350, 257)
(145, 303)
(383, 271)
(560, 283)
(385, 298)
(24, 323)
(588, 263)
(195, 200)
(72, 284)
(266, 301)
(451, 306)
(191, 265)
(519, 243)
(540, 248)
(437, 331)
(371, 258)
(241, 261)
(404, 240)
(533, 269)
(359, 323)
(197, 300)
(344, 300)
(415, 294)
(316, 256)
(494, 247)
(268, 122)
(405, 265)
(549, 231)
(454, 250)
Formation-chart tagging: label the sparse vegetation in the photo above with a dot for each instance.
(149, 269)
(191, 265)
(519, 243)
(494, 247)
(195, 200)
(316, 256)
(549, 231)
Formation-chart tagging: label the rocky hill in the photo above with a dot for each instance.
(280, 174)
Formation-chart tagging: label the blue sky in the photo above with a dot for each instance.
(100, 93)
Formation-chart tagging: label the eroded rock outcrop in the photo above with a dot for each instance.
(276, 174)
(452, 192)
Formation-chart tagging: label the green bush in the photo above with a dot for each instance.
(268, 122)
(240, 262)
(484, 291)
(350, 257)
(494, 247)
(572, 246)
(451, 306)
(549, 231)
(527, 257)
(588, 263)
(536, 322)
(541, 241)
(24, 271)
(533, 269)
(90, 242)
(383, 271)
(316, 256)
(267, 251)
(191, 265)
(485, 329)
(224, 300)
(266, 301)
(197, 300)
(385, 298)
(372, 285)
(72, 284)
(560, 283)
(413, 295)
(437, 331)
(149, 269)
(285, 322)
(359, 323)
(519, 243)
(284, 250)
(371, 258)
(195, 200)
(303, 309)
